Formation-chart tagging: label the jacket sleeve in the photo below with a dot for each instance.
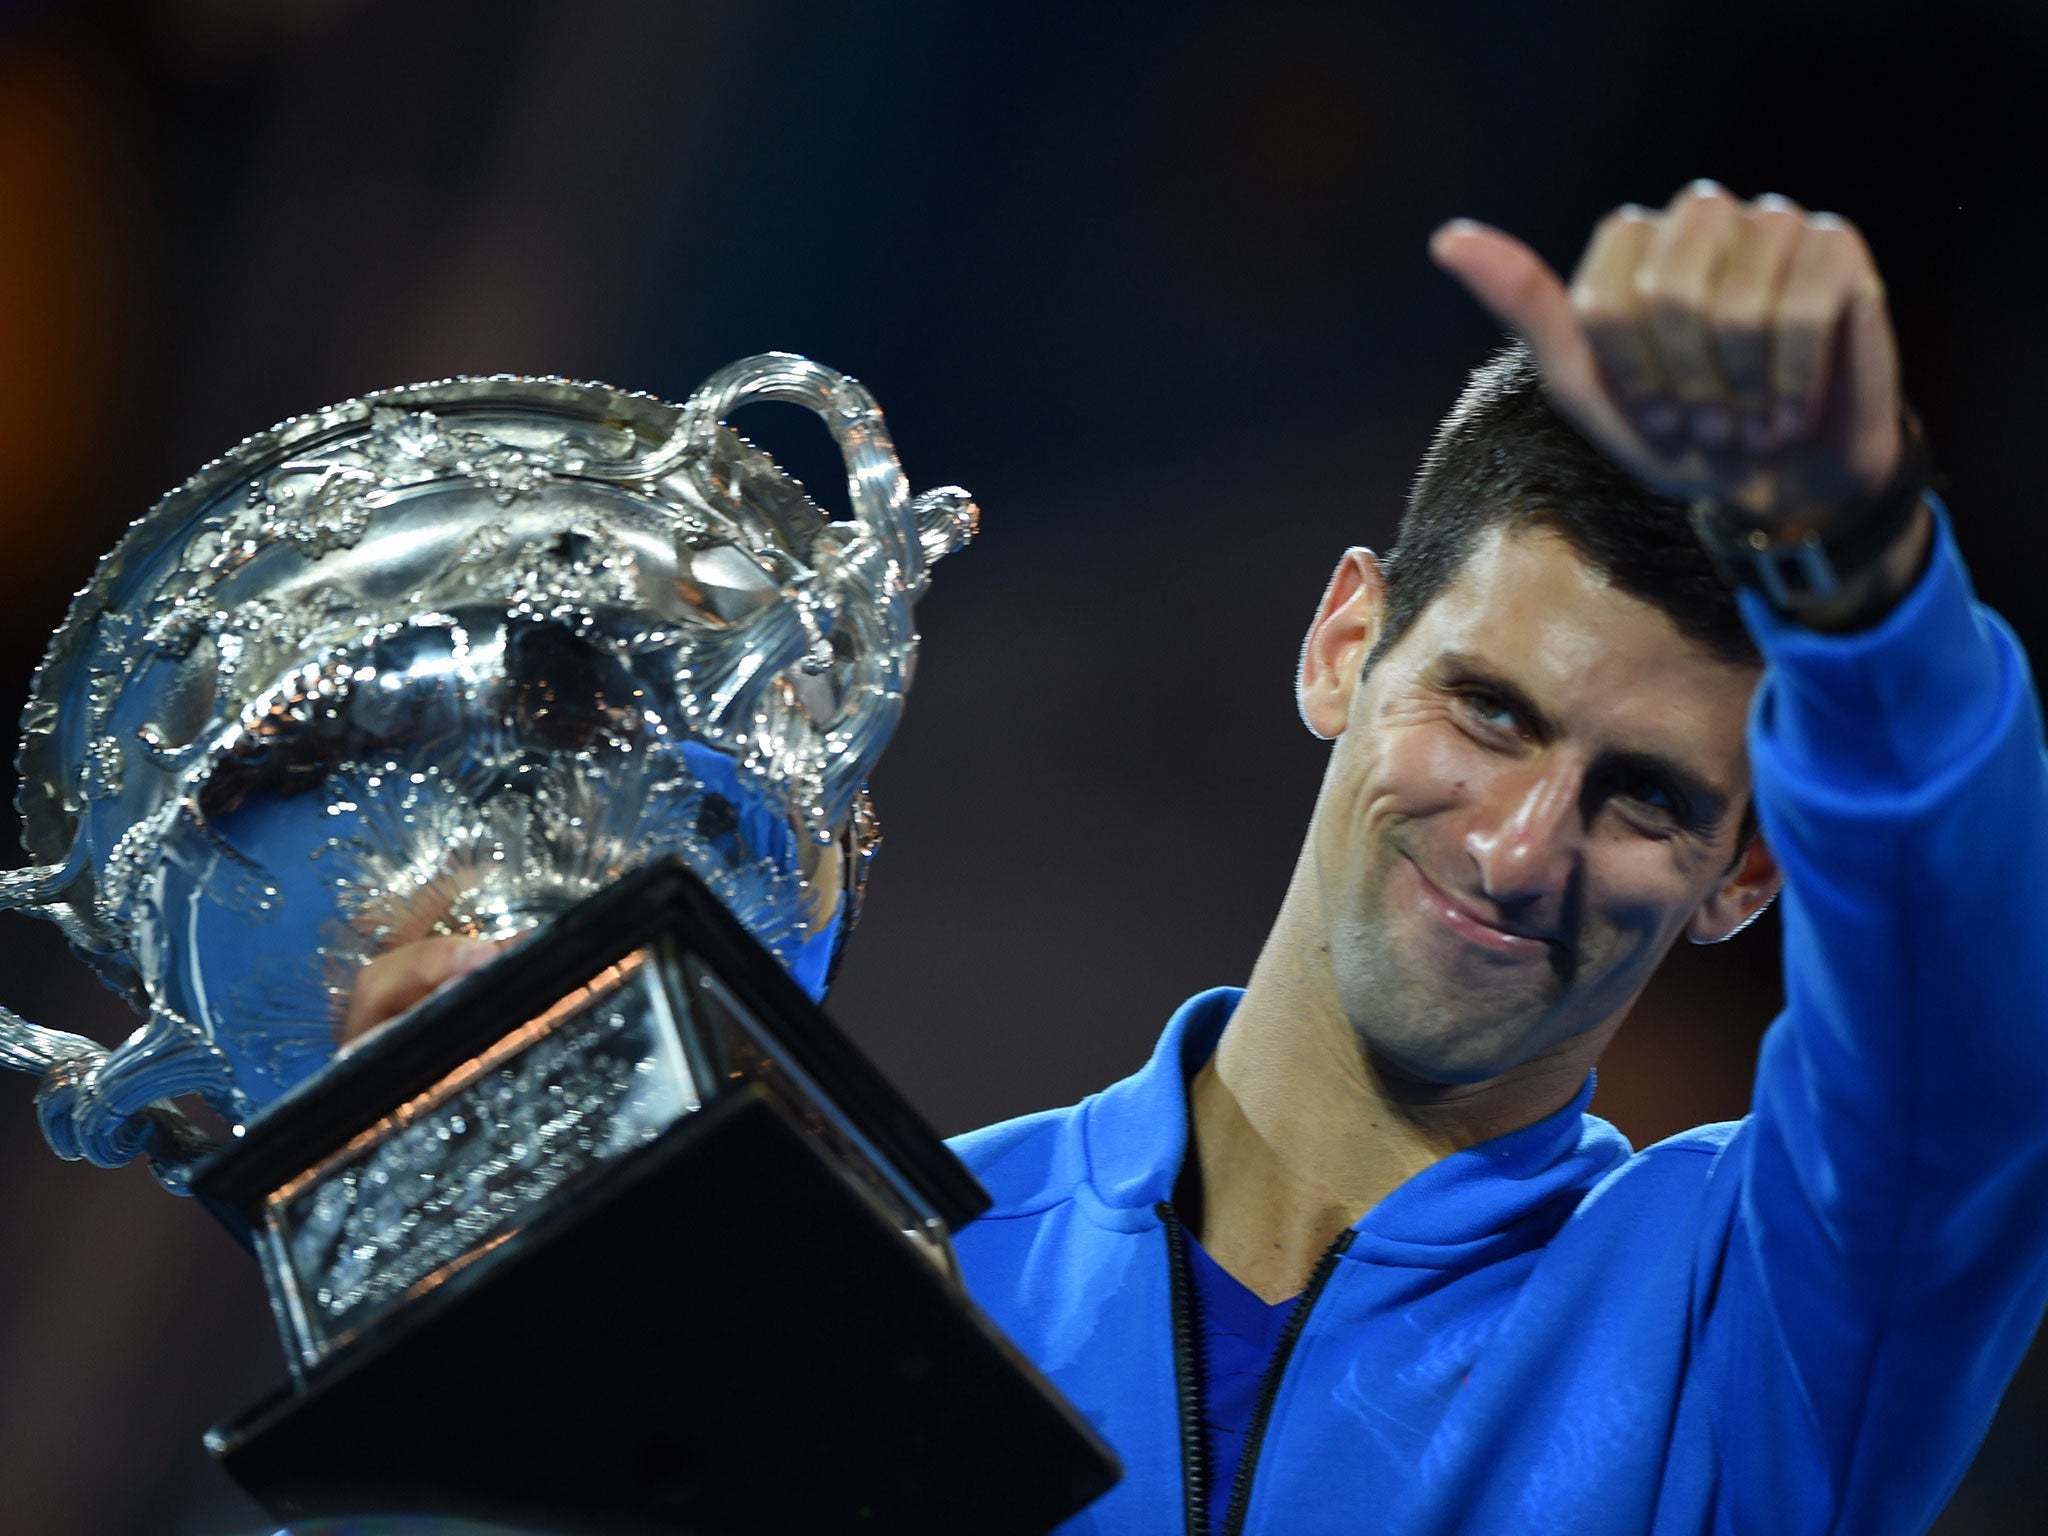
(1882, 1257)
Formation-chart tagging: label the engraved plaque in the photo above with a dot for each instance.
(452, 1173)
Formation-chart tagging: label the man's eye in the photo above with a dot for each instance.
(1495, 714)
(1655, 796)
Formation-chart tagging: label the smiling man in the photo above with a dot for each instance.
(1348, 1254)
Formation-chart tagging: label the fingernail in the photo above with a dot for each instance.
(1657, 421)
(1712, 426)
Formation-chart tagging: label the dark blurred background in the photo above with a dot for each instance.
(1148, 277)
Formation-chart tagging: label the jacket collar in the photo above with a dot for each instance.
(1471, 1207)
(1136, 1131)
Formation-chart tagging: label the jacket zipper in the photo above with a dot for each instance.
(1269, 1384)
(1194, 1445)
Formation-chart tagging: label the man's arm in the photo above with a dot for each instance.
(1883, 1254)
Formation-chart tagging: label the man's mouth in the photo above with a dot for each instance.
(1477, 927)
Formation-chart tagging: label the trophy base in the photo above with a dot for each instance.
(619, 1233)
(733, 1341)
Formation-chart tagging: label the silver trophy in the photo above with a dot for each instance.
(459, 659)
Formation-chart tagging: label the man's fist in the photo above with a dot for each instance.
(1736, 350)
(394, 981)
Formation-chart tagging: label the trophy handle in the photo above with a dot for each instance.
(90, 1100)
(107, 1107)
(913, 531)
(865, 575)
(26, 1047)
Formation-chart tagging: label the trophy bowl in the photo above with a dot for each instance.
(445, 660)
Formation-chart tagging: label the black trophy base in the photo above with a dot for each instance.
(735, 1342)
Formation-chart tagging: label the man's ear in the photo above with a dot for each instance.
(1741, 897)
(1346, 624)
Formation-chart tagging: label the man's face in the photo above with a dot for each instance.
(1536, 790)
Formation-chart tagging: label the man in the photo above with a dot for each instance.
(1348, 1254)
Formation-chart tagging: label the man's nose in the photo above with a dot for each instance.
(1526, 842)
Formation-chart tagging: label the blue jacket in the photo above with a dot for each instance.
(1799, 1322)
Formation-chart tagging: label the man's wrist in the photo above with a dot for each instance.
(1837, 570)
(1864, 601)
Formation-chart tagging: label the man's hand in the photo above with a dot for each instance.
(397, 979)
(1734, 350)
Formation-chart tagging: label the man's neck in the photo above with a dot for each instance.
(1296, 1131)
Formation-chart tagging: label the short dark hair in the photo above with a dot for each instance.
(1505, 458)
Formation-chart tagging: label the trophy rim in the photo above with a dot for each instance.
(44, 800)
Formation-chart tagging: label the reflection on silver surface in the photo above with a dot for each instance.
(444, 660)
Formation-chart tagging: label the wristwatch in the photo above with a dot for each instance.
(1800, 568)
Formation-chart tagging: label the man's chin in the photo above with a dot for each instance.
(1450, 1036)
(1475, 1050)
(1429, 1071)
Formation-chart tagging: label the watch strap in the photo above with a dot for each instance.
(1800, 568)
